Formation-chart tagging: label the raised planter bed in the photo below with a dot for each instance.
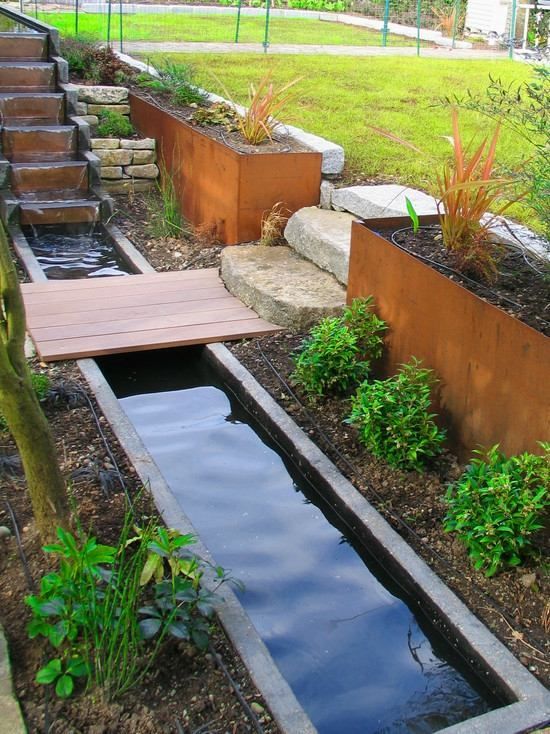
(221, 189)
(493, 369)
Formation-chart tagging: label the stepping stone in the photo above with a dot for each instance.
(324, 237)
(388, 200)
(281, 286)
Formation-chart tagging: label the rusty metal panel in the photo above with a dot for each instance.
(220, 187)
(494, 371)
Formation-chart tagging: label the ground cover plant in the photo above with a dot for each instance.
(217, 29)
(113, 125)
(345, 96)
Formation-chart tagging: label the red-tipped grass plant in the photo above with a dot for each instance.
(265, 102)
(468, 190)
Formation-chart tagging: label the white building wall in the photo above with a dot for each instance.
(487, 15)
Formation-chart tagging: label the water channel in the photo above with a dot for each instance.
(340, 630)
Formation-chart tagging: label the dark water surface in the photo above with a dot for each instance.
(64, 254)
(352, 650)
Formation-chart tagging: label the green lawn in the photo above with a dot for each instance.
(210, 28)
(340, 98)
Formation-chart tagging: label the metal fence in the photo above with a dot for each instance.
(512, 27)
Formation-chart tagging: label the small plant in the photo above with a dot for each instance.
(448, 19)
(336, 356)
(104, 603)
(176, 80)
(265, 101)
(93, 63)
(113, 125)
(393, 418)
(273, 224)
(497, 505)
(168, 222)
(219, 113)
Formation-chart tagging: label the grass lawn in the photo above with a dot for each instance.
(212, 28)
(340, 98)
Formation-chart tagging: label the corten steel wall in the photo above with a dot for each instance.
(494, 371)
(219, 186)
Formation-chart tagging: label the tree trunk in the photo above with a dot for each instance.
(22, 411)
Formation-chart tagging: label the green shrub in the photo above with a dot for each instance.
(393, 417)
(336, 356)
(113, 125)
(497, 505)
(41, 386)
(176, 80)
(94, 63)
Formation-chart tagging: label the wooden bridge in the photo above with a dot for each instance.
(72, 319)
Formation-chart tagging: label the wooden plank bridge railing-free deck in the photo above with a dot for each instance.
(73, 319)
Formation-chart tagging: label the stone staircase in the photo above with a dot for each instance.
(47, 174)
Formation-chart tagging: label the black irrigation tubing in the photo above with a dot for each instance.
(458, 274)
(28, 577)
(242, 700)
(353, 471)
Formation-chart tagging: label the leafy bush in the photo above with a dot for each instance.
(93, 63)
(497, 505)
(104, 603)
(113, 125)
(336, 356)
(176, 80)
(41, 386)
(393, 417)
(219, 113)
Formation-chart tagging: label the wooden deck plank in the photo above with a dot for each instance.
(87, 318)
(157, 339)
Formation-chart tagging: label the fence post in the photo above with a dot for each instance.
(513, 28)
(109, 23)
(76, 18)
(418, 21)
(237, 28)
(119, 23)
(458, 5)
(266, 36)
(385, 26)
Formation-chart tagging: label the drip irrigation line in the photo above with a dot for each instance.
(26, 570)
(242, 700)
(353, 471)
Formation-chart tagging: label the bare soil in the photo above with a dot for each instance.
(186, 689)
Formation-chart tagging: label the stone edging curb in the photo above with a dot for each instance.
(529, 701)
(11, 719)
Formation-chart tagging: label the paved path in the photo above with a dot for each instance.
(148, 47)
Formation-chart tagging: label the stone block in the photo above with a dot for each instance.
(105, 143)
(114, 157)
(143, 144)
(281, 286)
(147, 171)
(111, 172)
(81, 108)
(322, 236)
(388, 200)
(103, 95)
(92, 120)
(97, 109)
(325, 198)
(143, 157)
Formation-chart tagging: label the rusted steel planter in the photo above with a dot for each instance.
(494, 371)
(219, 187)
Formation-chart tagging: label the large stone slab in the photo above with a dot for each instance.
(281, 286)
(323, 237)
(102, 95)
(388, 200)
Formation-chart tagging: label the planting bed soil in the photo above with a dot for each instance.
(186, 691)
(513, 604)
(519, 290)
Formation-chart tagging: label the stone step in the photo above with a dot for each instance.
(29, 76)
(281, 286)
(385, 201)
(66, 212)
(39, 143)
(23, 46)
(323, 237)
(42, 177)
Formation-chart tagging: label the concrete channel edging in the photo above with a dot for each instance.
(278, 695)
(529, 701)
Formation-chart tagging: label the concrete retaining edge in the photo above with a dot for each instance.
(11, 719)
(278, 696)
(529, 705)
